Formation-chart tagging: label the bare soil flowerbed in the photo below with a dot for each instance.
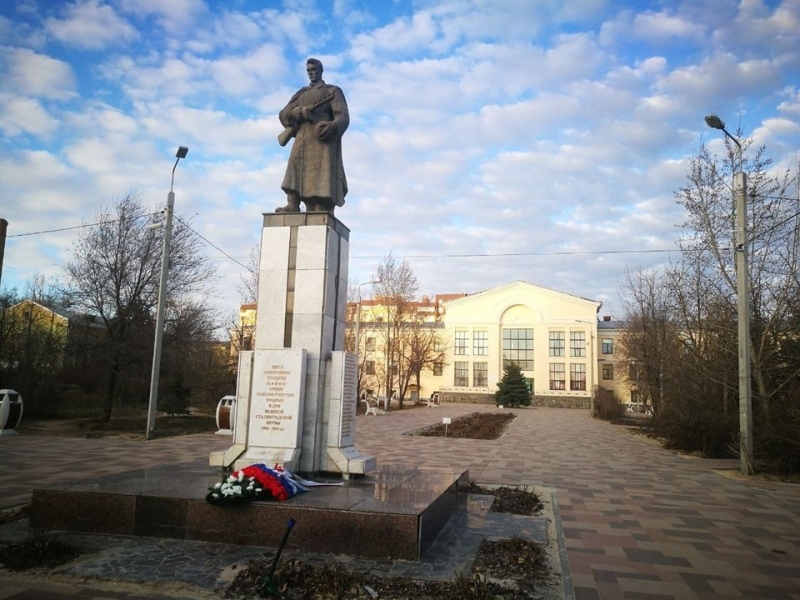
(299, 581)
(15, 513)
(515, 559)
(40, 550)
(475, 426)
(513, 500)
(505, 569)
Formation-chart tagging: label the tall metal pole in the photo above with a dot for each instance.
(3, 227)
(742, 305)
(162, 298)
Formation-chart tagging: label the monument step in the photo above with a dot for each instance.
(396, 512)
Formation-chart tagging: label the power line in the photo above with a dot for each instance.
(63, 228)
(43, 231)
(75, 227)
(213, 245)
(512, 254)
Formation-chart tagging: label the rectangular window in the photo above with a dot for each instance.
(371, 344)
(518, 348)
(634, 396)
(480, 343)
(370, 367)
(633, 372)
(438, 368)
(608, 371)
(557, 376)
(577, 376)
(480, 374)
(462, 339)
(556, 343)
(607, 346)
(577, 343)
(461, 374)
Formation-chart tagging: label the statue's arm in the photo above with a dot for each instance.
(291, 113)
(341, 116)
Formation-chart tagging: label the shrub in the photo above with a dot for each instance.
(512, 389)
(176, 398)
(777, 444)
(690, 427)
(607, 406)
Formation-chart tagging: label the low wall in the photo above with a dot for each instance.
(466, 398)
(551, 401)
(562, 402)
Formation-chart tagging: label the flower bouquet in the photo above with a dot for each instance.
(254, 482)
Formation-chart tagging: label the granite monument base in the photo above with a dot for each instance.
(395, 512)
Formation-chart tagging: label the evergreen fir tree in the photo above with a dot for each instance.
(512, 391)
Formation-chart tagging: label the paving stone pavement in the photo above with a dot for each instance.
(639, 522)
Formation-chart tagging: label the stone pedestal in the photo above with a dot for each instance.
(297, 386)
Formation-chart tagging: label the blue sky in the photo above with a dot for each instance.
(490, 141)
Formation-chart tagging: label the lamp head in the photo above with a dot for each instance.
(715, 122)
(183, 150)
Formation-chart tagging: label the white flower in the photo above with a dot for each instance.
(232, 479)
(241, 476)
(259, 490)
(218, 485)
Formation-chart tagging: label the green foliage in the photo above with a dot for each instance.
(176, 397)
(512, 389)
(607, 406)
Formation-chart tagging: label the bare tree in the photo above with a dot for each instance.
(32, 342)
(648, 342)
(248, 284)
(709, 249)
(114, 273)
(685, 318)
(422, 349)
(396, 289)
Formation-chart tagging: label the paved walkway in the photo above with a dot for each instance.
(639, 522)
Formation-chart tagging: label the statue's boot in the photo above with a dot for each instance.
(292, 206)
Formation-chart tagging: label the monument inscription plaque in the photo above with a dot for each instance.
(275, 411)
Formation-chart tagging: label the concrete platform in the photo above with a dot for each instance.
(395, 513)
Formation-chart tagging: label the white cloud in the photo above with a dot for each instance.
(25, 115)
(175, 16)
(30, 74)
(541, 128)
(654, 26)
(92, 25)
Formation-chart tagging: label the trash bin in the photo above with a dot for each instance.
(226, 415)
(10, 412)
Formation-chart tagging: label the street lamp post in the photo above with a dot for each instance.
(162, 296)
(743, 305)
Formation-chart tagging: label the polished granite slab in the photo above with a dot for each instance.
(396, 512)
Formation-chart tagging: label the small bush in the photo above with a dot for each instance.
(778, 443)
(176, 398)
(690, 428)
(607, 406)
